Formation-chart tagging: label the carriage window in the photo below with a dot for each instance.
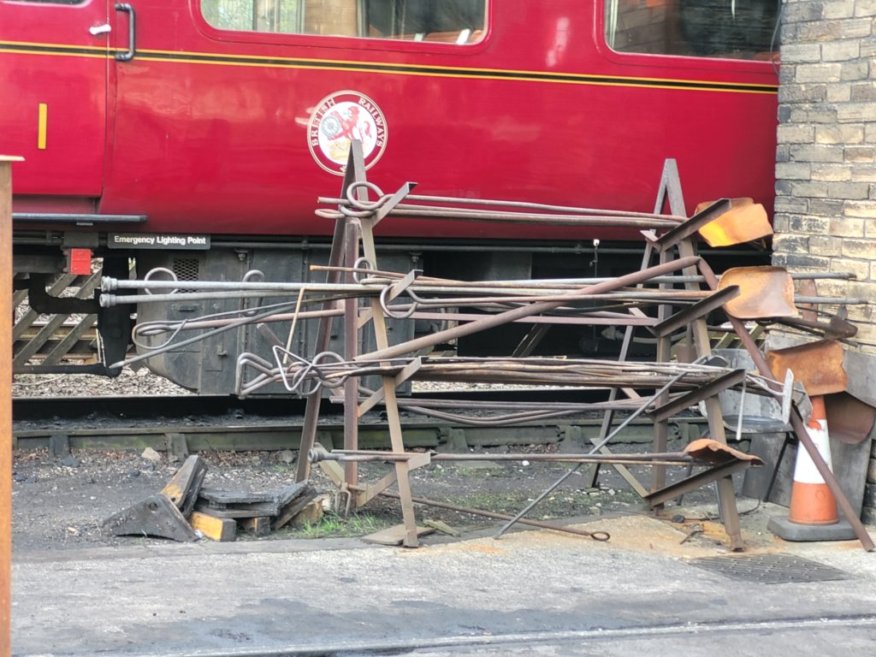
(448, 21)
(737, 29)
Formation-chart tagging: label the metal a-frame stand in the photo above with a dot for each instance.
(352, 234)
(682, 239)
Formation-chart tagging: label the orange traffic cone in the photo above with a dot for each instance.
(812, 502)
(812, 515)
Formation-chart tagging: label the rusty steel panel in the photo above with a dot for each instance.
(818, 366)
(764, 292)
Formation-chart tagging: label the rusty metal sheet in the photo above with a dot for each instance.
(849, 419)
(764, 292)
(706, 450)
(818, 366)
(745, 221)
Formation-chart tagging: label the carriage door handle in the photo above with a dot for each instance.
(128, 55)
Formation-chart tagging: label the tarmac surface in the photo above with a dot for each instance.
(528, 593)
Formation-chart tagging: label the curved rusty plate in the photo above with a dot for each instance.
(849, 419)
(707, 450)
(745, 221)
(817, 365)
(764, 292)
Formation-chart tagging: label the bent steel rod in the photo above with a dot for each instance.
(235, 324)
(157, 327)
(524, 311)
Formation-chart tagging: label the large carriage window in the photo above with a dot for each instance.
(449, 21)
(737, 29)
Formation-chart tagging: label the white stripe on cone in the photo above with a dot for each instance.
(805, 471)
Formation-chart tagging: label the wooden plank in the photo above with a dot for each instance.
(238, 513)
(217, 529)
(260, 526)
(6, 403)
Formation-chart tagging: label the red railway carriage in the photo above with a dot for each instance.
(197, 134)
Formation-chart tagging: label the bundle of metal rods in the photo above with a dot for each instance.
(331, 371)
(426, 292)
(538, 301)
(468, 209)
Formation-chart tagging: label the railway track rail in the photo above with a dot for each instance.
(221, 423)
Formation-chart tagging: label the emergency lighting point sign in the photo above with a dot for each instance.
(159, 241)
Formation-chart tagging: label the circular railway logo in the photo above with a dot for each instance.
(340, 118)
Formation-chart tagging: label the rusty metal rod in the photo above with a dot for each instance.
(510, 217)
(541, 208)
(596, 536)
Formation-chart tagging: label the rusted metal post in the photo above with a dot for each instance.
(337, 258)
(6, 401)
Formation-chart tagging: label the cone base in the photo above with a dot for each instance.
(812, 504)
(788, 530)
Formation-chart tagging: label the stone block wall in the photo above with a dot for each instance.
(825, 217)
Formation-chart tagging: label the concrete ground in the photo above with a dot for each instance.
(529, 593)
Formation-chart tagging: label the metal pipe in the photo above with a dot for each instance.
(109, 284)
(112, 300)
(557, 282)
(364, 456)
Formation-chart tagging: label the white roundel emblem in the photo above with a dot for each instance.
(339, 119)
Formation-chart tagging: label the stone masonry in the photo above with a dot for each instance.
(825, 217)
